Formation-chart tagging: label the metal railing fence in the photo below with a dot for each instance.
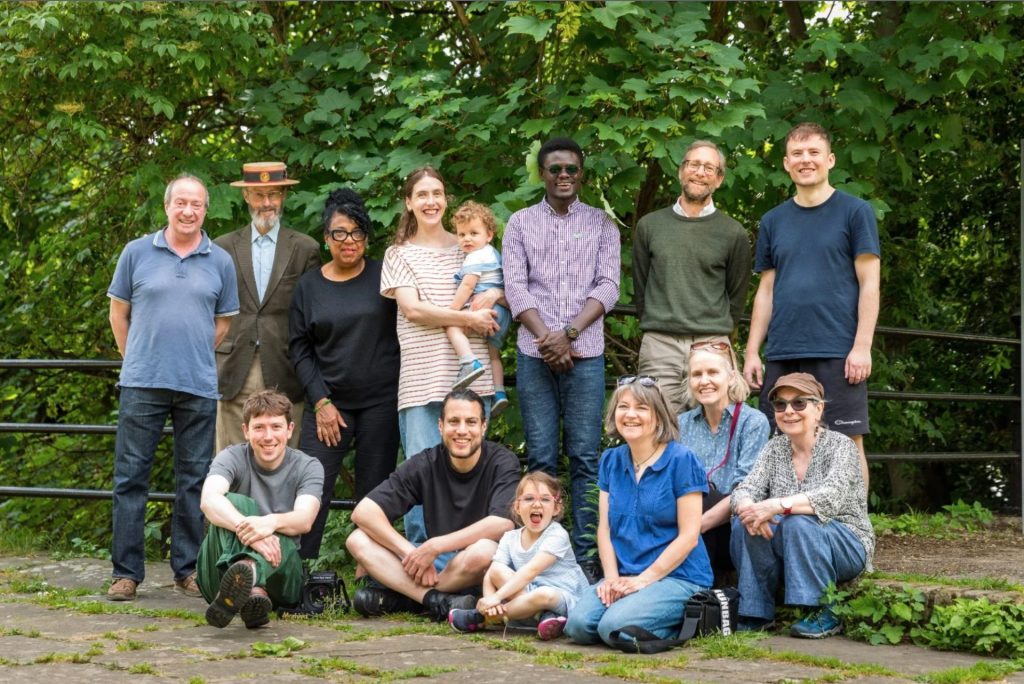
(348, 504)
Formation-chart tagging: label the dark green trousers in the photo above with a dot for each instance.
(221, 548)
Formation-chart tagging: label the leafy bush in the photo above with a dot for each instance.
(955, 518)
(880, 614)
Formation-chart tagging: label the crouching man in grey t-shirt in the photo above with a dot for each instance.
(259, 497)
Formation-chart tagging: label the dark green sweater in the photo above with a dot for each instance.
(690, 275)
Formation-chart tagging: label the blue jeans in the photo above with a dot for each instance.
(576, 400)
(419, 430)
(805, 554)
(140, 423)
(658, 608)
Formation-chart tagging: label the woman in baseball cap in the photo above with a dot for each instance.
(801, 515)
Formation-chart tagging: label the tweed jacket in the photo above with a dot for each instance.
(266, 323)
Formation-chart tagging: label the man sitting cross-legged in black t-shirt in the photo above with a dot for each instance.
(466, 487)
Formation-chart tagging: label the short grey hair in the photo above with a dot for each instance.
(697, 144)
(185, 176)
(666, 429)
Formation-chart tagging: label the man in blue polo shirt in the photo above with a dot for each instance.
(171, 297)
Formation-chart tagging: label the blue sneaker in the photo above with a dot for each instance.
(818, 625)
(468, 372)
(499, 405)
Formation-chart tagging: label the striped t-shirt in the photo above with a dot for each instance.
(429, 364)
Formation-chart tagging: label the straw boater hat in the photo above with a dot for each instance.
(264, 173)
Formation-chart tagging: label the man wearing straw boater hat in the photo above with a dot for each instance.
(268, 260)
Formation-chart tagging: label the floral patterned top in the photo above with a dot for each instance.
(833, 483)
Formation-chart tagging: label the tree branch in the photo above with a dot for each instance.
(797, 25)
(474, 44)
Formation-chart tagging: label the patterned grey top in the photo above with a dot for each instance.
(833, 483)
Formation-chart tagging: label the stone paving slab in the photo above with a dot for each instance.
(175, 644)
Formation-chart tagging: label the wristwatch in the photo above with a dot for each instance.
(787, 506)
(571, 332)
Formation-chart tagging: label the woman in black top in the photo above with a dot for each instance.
(345, 351)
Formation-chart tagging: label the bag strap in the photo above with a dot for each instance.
(693, 614)
(641, 641)
(728, 441)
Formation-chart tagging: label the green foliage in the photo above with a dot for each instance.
(104, 102)
(978, 626)
(882, 614)
(955, 519)
(879, 614)
(979, 672)
(279, 650)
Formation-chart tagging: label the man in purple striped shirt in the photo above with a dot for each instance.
(561, 263)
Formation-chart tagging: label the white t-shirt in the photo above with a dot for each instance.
(564, 574)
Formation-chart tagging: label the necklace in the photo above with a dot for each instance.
(638, 466)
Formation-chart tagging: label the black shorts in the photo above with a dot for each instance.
(846, 405)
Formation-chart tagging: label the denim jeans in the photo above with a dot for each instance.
(576, 400)
(658, 608)
(418, 428)
(805, 554)
(140, 423)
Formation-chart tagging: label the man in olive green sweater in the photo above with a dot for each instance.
(691, 269)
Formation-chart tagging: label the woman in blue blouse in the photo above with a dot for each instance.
(648, 531)
(726, 435)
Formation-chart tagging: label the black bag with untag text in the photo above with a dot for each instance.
(706, 612)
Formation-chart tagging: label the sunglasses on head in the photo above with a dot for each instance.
(556, 169)
(711, 344)
(644, 380)
(798, 403)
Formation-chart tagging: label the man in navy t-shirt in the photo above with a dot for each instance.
(817, 302)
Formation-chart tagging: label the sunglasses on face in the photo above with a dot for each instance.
(798, 403)
(357, 235)
(644, 380)
(556, 169)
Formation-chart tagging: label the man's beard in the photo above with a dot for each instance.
(264, 223)
(696, 197)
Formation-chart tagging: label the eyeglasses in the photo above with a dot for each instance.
(696, 166)
(556, 169)
(357, 235)
(644, 380)
(798, 403)
(273, 195)
(529, 500)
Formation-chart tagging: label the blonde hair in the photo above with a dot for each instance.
(539, 478)
(470, 210)
(407, 221)
(666, 429)
(738, 390)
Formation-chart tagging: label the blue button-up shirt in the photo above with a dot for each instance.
(263, 249)
(750, 437)
(642, 515)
